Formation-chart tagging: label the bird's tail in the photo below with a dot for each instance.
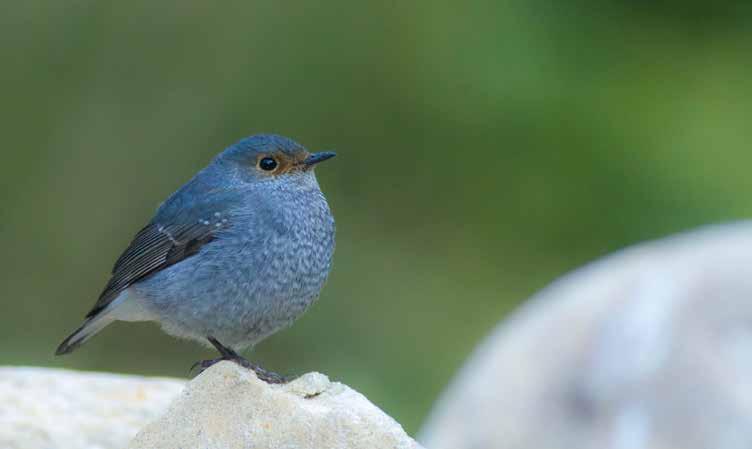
(91, 326)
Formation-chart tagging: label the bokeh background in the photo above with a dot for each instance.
(485, 148)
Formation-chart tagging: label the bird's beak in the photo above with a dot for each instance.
(315, 158)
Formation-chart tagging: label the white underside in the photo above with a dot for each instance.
(128, 307)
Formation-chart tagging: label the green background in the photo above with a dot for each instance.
(484, 150)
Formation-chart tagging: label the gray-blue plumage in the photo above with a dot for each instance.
(237, 253)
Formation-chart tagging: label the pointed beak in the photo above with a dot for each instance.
(315, 158)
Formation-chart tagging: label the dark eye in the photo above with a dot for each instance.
(267, 164)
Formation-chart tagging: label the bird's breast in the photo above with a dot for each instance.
(285, 253)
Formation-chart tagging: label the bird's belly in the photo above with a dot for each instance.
(242, 292)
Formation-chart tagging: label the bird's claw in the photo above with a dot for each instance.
(202, 365)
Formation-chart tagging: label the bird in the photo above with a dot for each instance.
(236, 254)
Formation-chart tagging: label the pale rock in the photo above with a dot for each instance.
(227, 407)
(650, 348)
(43, 408)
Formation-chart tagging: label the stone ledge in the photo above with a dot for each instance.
(225, 407)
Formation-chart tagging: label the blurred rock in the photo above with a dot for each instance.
(43, 408)
(650, 348)
(228, 407)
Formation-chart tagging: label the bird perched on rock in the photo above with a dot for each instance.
(236, 254)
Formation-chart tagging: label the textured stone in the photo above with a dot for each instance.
(225, 407)
(42, 408)
(228, 407)
(648, 349)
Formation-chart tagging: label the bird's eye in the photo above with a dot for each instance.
(267, 164)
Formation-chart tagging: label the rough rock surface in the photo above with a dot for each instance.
(648, 349)
(228, 407)
(225, 407)
(42, 408)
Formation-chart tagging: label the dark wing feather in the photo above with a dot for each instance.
(154, 248)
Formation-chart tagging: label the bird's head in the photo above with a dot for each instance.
(270, 158)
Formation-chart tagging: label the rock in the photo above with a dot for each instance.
(228, 407)
(57, 409)
(224, 407)
(648, 349)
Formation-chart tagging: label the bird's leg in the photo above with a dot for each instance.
(230, 355)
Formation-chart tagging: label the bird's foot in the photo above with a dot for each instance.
(269, 377)
(228, 354)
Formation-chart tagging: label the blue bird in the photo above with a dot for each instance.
(236, 254)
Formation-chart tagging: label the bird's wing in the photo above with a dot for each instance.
(171, 237)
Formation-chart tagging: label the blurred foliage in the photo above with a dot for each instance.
(485, 149)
